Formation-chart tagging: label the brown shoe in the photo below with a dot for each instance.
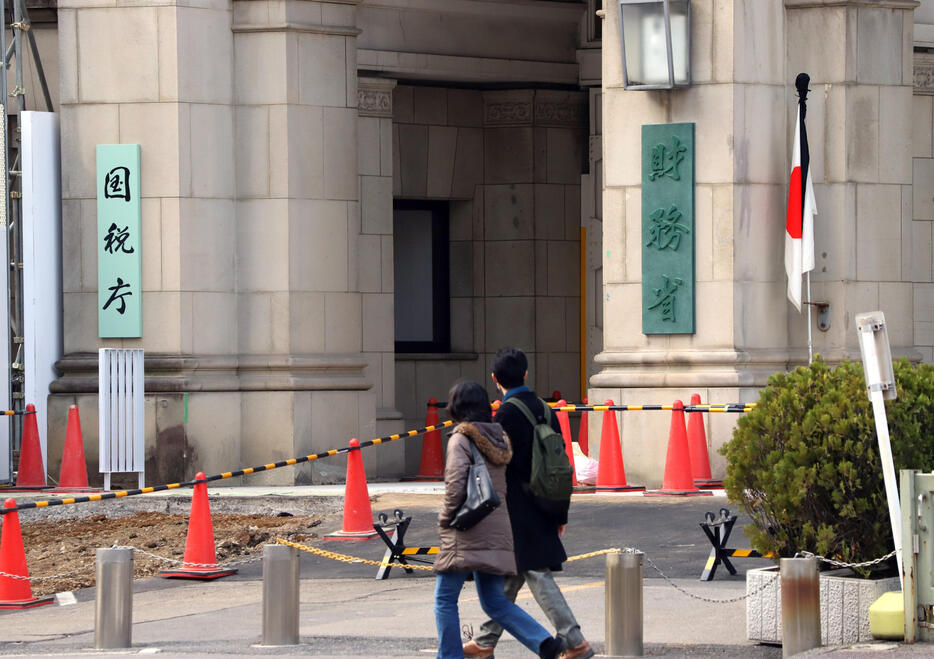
(582, 651)
(471, 649)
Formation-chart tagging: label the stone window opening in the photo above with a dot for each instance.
(420, 264)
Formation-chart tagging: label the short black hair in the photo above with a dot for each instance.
(510, 366)
(468, 401)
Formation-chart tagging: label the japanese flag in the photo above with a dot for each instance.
(799, 224)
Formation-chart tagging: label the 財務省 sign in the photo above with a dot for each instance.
(668, 229)
(119, 260)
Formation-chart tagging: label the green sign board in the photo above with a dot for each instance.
(668, 229)
(119, 259)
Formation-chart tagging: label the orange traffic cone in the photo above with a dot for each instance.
(565, 422)
(74, 473)
(15, 591)
(358, 516)
(697, 448)
(200, 557)
(678, 480)
(31, 472)
(431, 466)
(582, 436)
(611, 474)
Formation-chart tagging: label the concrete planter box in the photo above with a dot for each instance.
(844, 605)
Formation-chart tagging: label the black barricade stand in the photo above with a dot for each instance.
(718, 532)
(396, 551)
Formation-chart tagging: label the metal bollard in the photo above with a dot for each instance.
(800, 605)
(280, 595)
(113, 614)
(624, 604)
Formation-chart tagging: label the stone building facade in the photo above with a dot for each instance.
(287, 143)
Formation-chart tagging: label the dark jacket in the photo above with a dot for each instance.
(487, 547)
(535, 532)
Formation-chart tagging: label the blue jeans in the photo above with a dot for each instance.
(490, 590)
(549, 598)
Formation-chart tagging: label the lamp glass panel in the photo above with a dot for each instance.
(643, 25)
(680, 55)
(644, 40)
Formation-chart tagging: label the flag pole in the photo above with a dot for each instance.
(801, 84)
(810, 325)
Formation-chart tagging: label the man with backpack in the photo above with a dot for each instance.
(538, 489)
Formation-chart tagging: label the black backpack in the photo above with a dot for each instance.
(551, 479)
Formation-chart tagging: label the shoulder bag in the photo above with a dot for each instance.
(481, 497)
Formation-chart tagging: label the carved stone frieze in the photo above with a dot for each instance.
(564, 113)
(924, 73)
(373, 103)
(509, 113)
(374, 97)
(538, 107)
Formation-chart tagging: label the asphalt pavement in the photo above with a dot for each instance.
(346, 612)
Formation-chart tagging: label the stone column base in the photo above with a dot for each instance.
(218, 414)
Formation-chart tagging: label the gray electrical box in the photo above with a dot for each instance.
(917, 504)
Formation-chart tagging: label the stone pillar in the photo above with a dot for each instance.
(170, 89)
(298, 223)
(246, 113)
(922, 252)
(744, 59)
(159, 75)
(858, 122)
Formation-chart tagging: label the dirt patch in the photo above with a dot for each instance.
(63, 546)
(407, 501)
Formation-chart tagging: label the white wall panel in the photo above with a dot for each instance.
(42, 261)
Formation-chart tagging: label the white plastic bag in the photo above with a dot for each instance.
(584, 467)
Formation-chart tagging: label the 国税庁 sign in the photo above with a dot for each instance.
(668, 229)
(119, 261)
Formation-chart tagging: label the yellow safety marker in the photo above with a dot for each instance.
(420, 551)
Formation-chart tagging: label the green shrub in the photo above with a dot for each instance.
(805, 462)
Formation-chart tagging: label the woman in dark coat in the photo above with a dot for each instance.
(486, 549)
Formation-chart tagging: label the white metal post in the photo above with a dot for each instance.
(880, 382)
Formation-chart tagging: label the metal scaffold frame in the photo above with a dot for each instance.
(11, 279)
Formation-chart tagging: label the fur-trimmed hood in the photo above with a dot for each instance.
(490, 439)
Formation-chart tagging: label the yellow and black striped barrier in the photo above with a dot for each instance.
(738, 408)
(711, 566)
(718, 532)
(730, 407)
(216, 477)
(420, 551)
